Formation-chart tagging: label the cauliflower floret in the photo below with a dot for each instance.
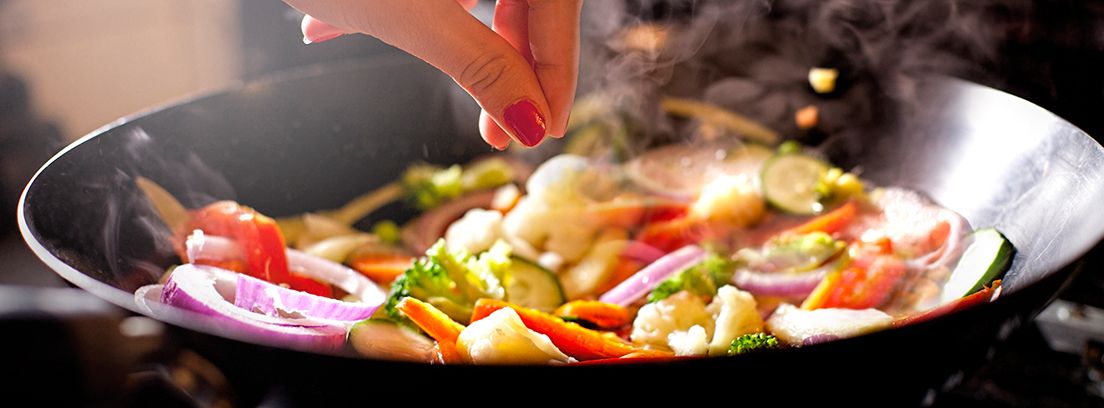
(475, 232)
(502, 338)
(734, 314)
(732, 200)
(560, 229)
(656, 321)
(572, 236)
(693, 342)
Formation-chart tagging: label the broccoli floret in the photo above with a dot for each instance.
(702, 279)
(452, 280)
(428, 186)
(753, 342)
(484, 174)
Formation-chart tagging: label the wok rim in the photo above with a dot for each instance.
(125, 300)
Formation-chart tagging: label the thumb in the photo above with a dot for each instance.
(443, 34)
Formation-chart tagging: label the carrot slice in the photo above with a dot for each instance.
(573, 339)
(447, 354)
(431, 320)
(382, 268)
(830, 222)
(604, 315)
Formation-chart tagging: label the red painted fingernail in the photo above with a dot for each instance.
(527, 122)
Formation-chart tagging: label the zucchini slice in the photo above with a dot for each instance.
(987, 258)
(789, 183)
(387, 340)
(530, 285)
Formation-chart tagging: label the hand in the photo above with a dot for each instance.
(523, 73)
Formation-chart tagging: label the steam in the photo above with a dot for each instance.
(134, 241)
(753, 57)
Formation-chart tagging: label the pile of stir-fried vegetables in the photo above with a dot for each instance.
(707, 250)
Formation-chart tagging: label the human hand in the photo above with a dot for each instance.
(521, 73)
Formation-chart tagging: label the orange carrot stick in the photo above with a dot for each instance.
(830, 222)
(574, 340)
(382, 268)
(447, 354)
(604, 315)
(431, 320)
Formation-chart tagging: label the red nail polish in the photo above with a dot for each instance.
(527, 122)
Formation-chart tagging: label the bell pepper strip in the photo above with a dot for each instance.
(574, 340)
(671, 235)
(630, 211)
(382, 268)
(431, 320)
(858, 286)
(601, 314)
(829, 222)
(982, 296)
(310, 285)
(259, 237)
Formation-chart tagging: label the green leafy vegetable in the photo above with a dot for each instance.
(452, 280)
(702, 279)
(428, 186)
(753, 342)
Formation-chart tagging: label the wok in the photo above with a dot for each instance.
(314, 138)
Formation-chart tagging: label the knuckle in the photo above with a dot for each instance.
(484, 72)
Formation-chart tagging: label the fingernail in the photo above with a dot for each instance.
(527, 122)
(321, 38)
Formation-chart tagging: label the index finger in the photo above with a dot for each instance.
(554, 43)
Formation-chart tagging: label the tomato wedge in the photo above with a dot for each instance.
(260, 239)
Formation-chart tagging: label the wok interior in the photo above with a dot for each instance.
(315, 138)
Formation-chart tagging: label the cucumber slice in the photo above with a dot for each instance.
(385, 339)
(532, 286)
(987, 258)
(789, 183)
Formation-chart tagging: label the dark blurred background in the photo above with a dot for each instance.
(69, 67)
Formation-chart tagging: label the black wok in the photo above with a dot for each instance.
(315, 138)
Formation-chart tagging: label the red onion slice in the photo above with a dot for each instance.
(148, 295)
(202, 247)
(192, 287)
(778, 284)
(642, 282)
(338, 275)
(818, 339)
(274, 300)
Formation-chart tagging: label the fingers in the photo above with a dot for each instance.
(553, 27)
(546, 33)
(443, 34)
(316, 31)
(492, 134)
